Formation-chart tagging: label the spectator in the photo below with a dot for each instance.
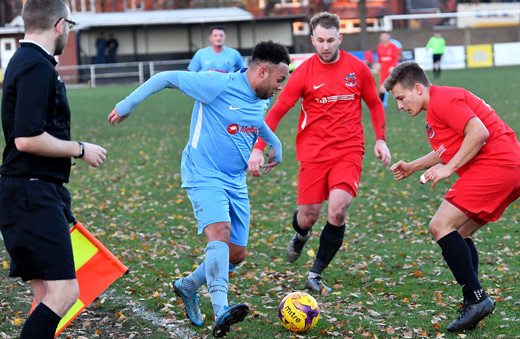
(112, 46)
(101, 46)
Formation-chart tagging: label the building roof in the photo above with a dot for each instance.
(87, 20)
(167, 17)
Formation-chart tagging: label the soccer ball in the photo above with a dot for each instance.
(298, 312)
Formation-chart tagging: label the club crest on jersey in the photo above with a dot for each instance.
(232, 129)
(350, 80)
(429, 131)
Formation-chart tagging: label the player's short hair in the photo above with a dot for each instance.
(270, 52)
(407, 75)
(325, 20)
(220, 28)
(41, 15)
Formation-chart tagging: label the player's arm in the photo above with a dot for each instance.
(194, 64)
(155, 84)
(377, 65)
(256, 158)
(402, 169)
(429, 44)
(275, 154)
(377, 115)
(273, 118)
(395, 57)
(475, 136)
(291, 93)
(239, 61)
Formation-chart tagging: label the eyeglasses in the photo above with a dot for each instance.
(70, 22)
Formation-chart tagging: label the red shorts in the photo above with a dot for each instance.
(484, 191)
(317, 179)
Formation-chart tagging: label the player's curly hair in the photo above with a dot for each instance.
(407, 75)
(271, 52)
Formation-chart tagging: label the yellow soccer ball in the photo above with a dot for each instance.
(298, 312)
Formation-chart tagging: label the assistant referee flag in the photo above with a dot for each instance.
(96, 269)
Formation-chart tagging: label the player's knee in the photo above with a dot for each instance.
(337, 216)
(308, 220)
(218, 232)
(436, 228)
(237, 258)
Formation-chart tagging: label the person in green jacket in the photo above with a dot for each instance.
(436, 44)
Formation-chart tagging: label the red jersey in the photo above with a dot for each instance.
(449, 110)
(387, 56)
(330, 119)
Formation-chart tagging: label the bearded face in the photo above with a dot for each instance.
(61, 42)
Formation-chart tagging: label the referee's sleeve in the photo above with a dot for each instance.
(34, 96)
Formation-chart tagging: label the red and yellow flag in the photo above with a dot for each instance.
(96, 269)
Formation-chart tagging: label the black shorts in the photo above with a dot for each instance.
(34, 220)
(437, 57)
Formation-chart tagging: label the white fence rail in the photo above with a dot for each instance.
(118, 73)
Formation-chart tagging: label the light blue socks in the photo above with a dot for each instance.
(217, 274)
(195, 280)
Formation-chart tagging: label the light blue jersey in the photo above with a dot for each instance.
(227, 61)
(226, 120)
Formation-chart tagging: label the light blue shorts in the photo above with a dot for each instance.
(214, 204)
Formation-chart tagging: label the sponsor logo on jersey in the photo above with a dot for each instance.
(316, 87)
(246, 129)
(350, 80)
(429, 131)
(232, 129)
(440, 150)
(334, 98)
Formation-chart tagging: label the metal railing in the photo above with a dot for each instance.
(117, 73)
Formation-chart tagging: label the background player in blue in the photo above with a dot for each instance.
(216, 57)
(227, 118)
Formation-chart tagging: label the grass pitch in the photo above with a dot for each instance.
(389, 279)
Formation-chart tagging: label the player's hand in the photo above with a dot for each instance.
(94, 154)
(437, 173)
(113, 117)
(382, 152)
(255, 162)
(270, 162)
(401, 170)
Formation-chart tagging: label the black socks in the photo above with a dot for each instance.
(457, 255)
(297, 227)
(331, 240)
(41, 324)
(474, 254)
